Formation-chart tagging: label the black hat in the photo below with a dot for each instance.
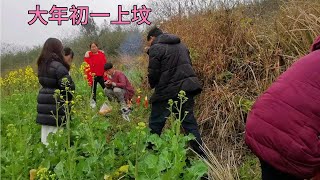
(108, 66)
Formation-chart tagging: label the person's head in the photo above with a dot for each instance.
(51, 51)
(68, 55)
(109, 69)
(153, 33)
(94, 47)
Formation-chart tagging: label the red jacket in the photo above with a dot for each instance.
(96, 64)
(283, 127)
(122, 82)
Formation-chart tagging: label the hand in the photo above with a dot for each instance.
(108, 82)
(146, 49)
(87, 54)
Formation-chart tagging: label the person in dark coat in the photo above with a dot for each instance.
(170, 71)
(53, 71)
(283, 127)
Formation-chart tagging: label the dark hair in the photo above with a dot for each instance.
(155, 31)
(51, 51)
(108, 66)
(68, 51)
(93, 43)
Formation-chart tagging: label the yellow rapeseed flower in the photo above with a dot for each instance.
(107, 177)
(142, 124)
(124, 168)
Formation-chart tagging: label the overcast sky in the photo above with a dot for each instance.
(15, 18)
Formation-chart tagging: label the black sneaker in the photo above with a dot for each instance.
(125, 114)
(125, 111)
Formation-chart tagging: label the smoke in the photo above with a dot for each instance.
(132, 44)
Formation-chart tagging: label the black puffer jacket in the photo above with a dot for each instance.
(170, 69)
(52, 80)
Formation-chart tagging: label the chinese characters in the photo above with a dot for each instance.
(80, 14)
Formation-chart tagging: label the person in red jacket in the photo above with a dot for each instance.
(283, 127)
(118, 86)
(96, 60)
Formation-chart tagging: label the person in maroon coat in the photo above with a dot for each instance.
(283, 127)
(118, 86)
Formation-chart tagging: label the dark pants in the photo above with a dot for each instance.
(160, 113)
(100, 80)
(271, 173)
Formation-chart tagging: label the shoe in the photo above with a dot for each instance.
(126, 117)
(125, 114)
(126, 111)
(93, 104)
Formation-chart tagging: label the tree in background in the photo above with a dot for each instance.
(90, 29)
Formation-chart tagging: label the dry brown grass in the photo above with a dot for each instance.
(237, 54)
(220, 171)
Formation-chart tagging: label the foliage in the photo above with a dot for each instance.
(90, 146)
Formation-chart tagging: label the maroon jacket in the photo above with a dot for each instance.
(283, 127)
(122, 82)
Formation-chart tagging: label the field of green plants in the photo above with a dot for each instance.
(92, 146)
(237, 51)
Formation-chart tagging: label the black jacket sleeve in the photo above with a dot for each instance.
(156, 53)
